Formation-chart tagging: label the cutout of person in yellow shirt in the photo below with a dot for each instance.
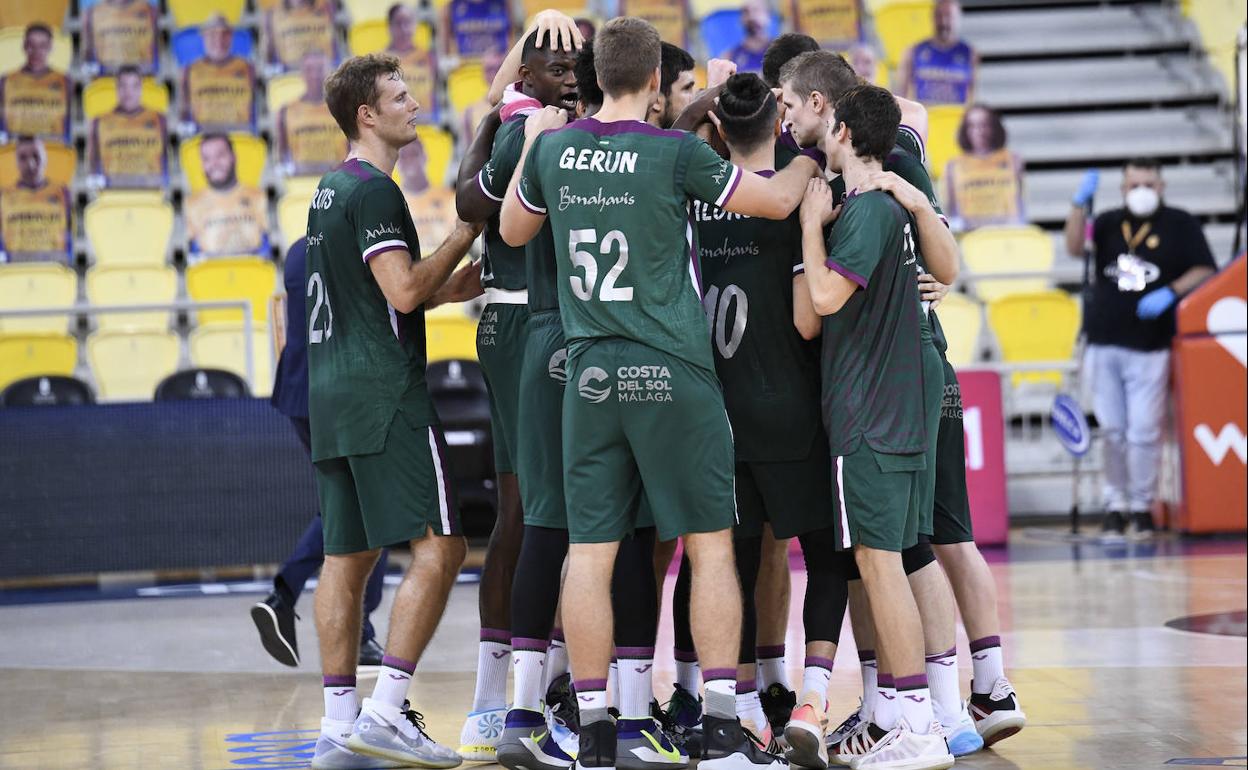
(984, 185)
(219, 90)
(34, 100)
(34, 214)
(225, 218)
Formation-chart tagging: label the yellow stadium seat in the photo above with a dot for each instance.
(1035, 327)
(192, 13)
(36, 285)
(100, 96)
(128, 365)
(466, 85)
(450, 334)
(30, 355)
(991, 250)
(132, 285)
(224, 347)
(230, 278)
(962, 320)
(1219, 23)
(569, 7)
(439, 147)
(13, 57)
(282, 90)
(250, 152)
(62, 163)
(292, 216)
(700, 9)
(943, 121)
(129, 231)
(301, 185)
(365, 10)
(19, 14)
(131, 197)
(901, 24)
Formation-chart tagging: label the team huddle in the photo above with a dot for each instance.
(690, 335)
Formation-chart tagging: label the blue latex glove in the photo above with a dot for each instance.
(1087, 188)
(1155, 303)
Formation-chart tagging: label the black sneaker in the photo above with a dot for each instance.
(728, 746)
(1143, 521)
(597, 745)
(778, 704)
(371, 653)
(997, 714)
(1114, 523)
(275, 620)
(682, 721)
(562, 703)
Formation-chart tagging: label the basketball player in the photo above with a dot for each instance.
(127, 145)
(378, 450)
(34, 100)
(676, 89)
(647, 415)
(220, 88)
(308, 139)
(881, 381)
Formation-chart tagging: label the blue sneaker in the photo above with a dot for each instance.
(641, 744)
(527, 744)
(963, 737)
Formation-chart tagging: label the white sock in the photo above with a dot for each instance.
(528, 660)
(613, 684)
(341, 702)
(986, 661)
(870, 684)
(770, 667)
(556, 657)
(942, 676)
(886, 711)
(721, 693)
(815, 678)
(591, 696)
(493, 660)
(392, 681)
(688, 675)
(749, 707)
(916, 705)
(634, 670)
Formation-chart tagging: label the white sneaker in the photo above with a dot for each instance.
(478, 740)
(960, 733)
(398, 734)
(332, 752)
(997, 714)
(904, 749)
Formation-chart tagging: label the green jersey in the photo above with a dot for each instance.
(617, 196)
(502, 266)
(366, 361)
(542, 271)
(770, 375)
(872, 347)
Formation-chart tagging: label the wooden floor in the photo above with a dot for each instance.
(174, 678)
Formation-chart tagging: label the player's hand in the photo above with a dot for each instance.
(548, 119)
(909, 196)
(471, 228)
(817, 209)
(718, 71)
(559, 28)
(931, 290)
(463, 284)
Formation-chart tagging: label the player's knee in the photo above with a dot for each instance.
(917, 556)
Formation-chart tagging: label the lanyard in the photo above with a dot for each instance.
(1138, 238)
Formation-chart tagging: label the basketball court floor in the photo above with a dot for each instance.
(1128, 656)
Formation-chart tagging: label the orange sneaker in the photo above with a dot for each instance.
(805, 733)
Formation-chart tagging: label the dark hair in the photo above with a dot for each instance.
(747, 110)
(673, 60)
(355, 83)
(872, 115)
(626, 53)
(822, 71)
(28, 139)
(530, 47)
(1144, 164)
(212, 136)
(392, 11)
(783, 49)
(999, 136)
(37, 26)
(587, 89)
(129, 69)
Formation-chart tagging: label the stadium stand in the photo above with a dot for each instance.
(1035, 327)
(36, 285)
(224, 346)
(990, 250)
(130, 284)
(51, 12)
(12, 57)
(120, 33)
(127, 365)
(232, 278)
(201, 383)
(962, 320)
(451, 335)
(127, 231)
(47, 390)
(25, 355)
(192, 13)
(62, 164)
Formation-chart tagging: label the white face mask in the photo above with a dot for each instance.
(1142, 201)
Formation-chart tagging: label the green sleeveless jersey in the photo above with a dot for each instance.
(872, 347)
(365, 360)
(502, 265)
(770, 375)
(617, 196)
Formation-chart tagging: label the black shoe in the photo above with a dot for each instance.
(1114, 523)
(562, 703)
(726, 744)
(371, 653)
(1143, 521)
(597, 745)
(275, 620)
(778, 704)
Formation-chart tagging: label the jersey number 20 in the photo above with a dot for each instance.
(583, 287)
(317, 285)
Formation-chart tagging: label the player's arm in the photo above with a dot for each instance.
(829, 290)
(913, 115)
(698, 111)
(936, 242)
(407, 284)
(524, 210)
(472, 202)
(805, 319)
(558, 29)
(905, 74)
(775, 197)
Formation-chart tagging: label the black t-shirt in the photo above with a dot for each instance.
(1173, 243)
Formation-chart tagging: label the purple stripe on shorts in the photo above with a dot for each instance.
(916, 682)
(749, 685)
(813, 661)
(523, 644)
(885, 681)
(339, 681)
(634, 652)
(685, 656)
(985, 643)
(403, 665)
(590, 685)
(770, 651)
(866, 655)
(500, 635)
(850, 274)
(941, 655)
(711, 674)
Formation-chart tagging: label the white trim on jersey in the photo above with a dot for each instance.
(481, 184)
(394, 320)
(533, 208)
(382, 246)
(693, 274)
(917, 140)
(799, 268)
(730, 187)
(444, 509)
(840, 495)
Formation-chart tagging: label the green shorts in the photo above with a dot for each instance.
(933, 388)
(500, 349)
(639, 421)
(877, 499)
(539, 460)
(951, 512)
(795, 497)
(392, 496)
